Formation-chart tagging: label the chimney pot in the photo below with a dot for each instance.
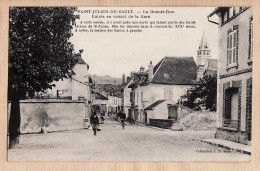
(150, 71)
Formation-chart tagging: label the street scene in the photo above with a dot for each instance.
(135, 143)
(130, 84)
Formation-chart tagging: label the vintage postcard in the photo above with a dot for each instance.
(130, 84)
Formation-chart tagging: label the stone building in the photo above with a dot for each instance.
(234, 101)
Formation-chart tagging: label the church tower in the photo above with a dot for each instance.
(203, 53)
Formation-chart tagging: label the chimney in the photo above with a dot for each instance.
(141, 69)
(150, 70)
(123, 79)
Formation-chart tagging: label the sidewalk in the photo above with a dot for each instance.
(229, 145)
(208, 137)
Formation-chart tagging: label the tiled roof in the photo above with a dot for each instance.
(100, 96)
(154, 105)
(212, 63)
(175, 70)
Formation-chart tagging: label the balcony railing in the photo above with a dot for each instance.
(229, 123)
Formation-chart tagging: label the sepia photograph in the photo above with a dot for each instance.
(130, 84)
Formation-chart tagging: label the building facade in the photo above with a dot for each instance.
(234, 99)
(170, 79)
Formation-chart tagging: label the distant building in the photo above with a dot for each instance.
(127, 97)
(205, 64)
(234, 102)
(167, 81)
(211, 67)
(100, 103)
(113, 94)
(74, 88)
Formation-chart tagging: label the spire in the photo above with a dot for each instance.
(203, 42)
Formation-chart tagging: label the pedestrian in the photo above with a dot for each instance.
(123, 117)
(102, 119)
(94, 121)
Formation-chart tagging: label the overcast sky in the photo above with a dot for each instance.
(117, 53)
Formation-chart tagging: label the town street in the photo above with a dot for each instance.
(135, 143)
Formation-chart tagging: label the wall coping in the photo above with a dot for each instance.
(50, 101)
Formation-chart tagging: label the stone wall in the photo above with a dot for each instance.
(162, 123)
(54, 115)
(232, 135)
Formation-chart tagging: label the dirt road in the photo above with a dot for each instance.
(114, 144)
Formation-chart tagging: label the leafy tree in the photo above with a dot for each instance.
(205, 92)
(39, 53)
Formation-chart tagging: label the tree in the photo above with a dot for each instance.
(205, 91)
(39, 53)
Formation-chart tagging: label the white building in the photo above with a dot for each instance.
(168, 80)
(78, 86)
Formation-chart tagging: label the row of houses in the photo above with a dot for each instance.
(152, 93)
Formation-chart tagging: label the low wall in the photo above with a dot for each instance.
(232, 135)
(162, 123)
(56, 115)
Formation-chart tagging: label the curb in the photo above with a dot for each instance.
(226, 147)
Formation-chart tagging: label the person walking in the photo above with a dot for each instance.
(94, 121)
(123, 117)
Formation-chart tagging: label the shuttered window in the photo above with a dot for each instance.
(232, 46)
(168, 94)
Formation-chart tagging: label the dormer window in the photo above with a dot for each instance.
(166, 75)
(231, 12)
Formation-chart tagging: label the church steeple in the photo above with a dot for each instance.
(204, 45)
(203, 53)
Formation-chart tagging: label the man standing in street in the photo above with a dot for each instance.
(94, 122)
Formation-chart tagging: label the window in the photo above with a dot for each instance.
(232, 46)
(131, 96)
(251, 39)
(231, 113)
(168, 94)
(142, 96)
(224, 17)
(231, 12)
(166, 75)
(236, 10)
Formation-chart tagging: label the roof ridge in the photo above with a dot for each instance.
(157, 69)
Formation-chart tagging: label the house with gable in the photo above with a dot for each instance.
(164, 84)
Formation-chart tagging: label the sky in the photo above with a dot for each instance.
(116, 53)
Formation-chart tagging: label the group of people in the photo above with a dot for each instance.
(94, 121)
